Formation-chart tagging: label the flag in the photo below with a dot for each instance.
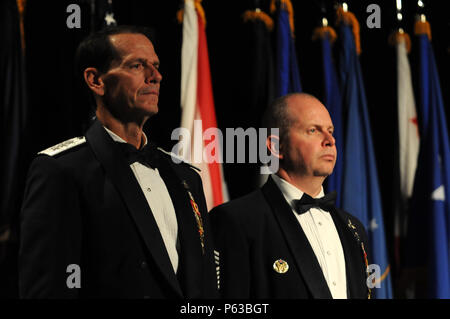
(333, 102)
(257, 84)
(361, 194)
(287, 75)
(198, 113)
(258, 88)
(408, 136)
(429, 223)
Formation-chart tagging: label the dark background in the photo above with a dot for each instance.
(58, 108)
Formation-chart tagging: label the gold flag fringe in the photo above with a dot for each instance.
(252, 15)
(350, 19)
(273, 6)
(397, 37)
(422, 27)
(287, 5)
(180, 14)
(321, 32)
(21, 8)
(200, 12)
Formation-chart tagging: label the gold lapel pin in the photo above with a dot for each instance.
(280, 266)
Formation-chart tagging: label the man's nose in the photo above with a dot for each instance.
(153, 75)
(329, 139)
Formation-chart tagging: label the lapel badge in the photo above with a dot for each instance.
(280, 266)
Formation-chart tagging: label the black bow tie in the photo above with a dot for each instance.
(148, 155)
(307, 202)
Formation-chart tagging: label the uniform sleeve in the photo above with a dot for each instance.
(234, 256)
(50, 233)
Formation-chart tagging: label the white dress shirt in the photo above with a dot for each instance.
(323, 237)
(159, 200)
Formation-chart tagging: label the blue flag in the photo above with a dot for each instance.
(287, 74)
(429, 224)
(361, 193)
(333, 101)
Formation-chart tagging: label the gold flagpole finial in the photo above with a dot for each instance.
(344, 6)
(399, 12)
(422, 26)
(400, 35)
(324, 30)
(347, 17)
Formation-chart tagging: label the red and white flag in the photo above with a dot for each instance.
(408, 131)
(197, 103)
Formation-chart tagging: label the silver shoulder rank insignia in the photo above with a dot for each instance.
(63, 146)
(280, 266)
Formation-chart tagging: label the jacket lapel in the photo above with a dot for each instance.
(190, 267)
(122, 177)
(298, 243)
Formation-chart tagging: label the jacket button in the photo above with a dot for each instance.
(143, 265)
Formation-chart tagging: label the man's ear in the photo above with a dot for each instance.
(94, 81)
(273, 144)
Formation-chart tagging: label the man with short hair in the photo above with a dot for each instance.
(109, 214)
(288, 240)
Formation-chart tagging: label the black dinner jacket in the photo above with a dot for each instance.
(254, 231)
(84, 206)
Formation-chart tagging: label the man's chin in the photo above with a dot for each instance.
(150, 110)
(154, 110)
(323, 173)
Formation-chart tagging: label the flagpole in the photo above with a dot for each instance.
(421, 10)
(399, 16)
